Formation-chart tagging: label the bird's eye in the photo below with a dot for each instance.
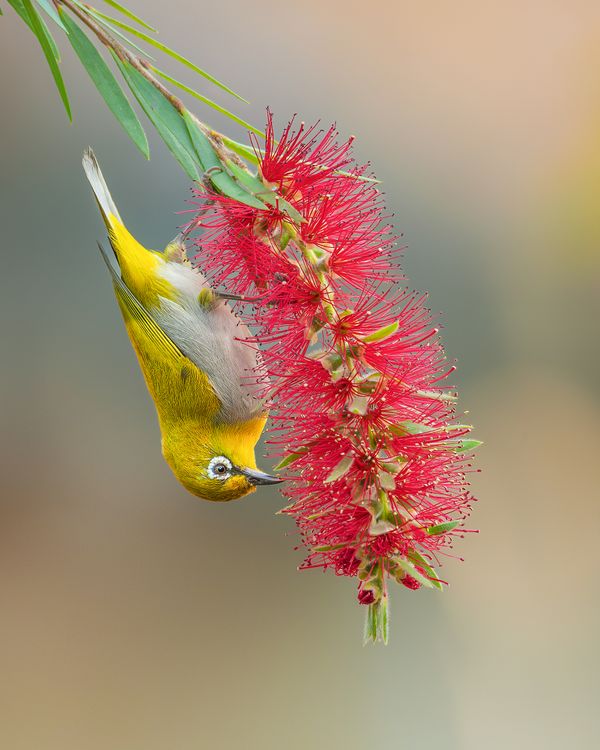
(219, 468)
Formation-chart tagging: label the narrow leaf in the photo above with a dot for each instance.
(330, 547)
(381, 526)
(384, 620)
(422, 563)
(94, 13)
(468, 445)
(370, 625)
(439, 395)
(357, 177)
(168, 51)
(251, 181)
(122, 9)
(202, 146)
(257, 188)
(20, 9)
(40, 29)
(106, 84)
(50, 9)
(206, 100)
(442, 528)
(359, 405)
(383, 333)
(409, 568)
(214, 169)
(291, 458)
(387, 481)
(342, 468)
(409, 428)
(163, 116)
(342, 173)
(241, 149)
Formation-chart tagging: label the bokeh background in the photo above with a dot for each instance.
(134, 617)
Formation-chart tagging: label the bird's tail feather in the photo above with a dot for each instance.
(99, 186)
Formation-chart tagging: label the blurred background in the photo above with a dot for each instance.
(135, 617)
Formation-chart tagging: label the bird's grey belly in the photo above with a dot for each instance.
(219, 344)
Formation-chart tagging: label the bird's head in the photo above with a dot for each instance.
(216, 463)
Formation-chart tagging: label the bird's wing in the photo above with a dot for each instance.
(139, 313)
(179, 388)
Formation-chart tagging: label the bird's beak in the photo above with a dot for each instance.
(254, 476)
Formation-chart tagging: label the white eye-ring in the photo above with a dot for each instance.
(219, 468)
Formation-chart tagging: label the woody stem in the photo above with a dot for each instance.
(143, 67)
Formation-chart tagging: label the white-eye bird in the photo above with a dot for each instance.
(199, 368)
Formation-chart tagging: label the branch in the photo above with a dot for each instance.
(143, 67)
(122, 52)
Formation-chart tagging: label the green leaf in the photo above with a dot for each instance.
(257, 188)
(343, 173)
(384, 620)
(202, 145)
(214, 169)
(241, 149)
(168, 51)
(291, 458)
(383, 333)
(409, 428)
(458, 446)
(163, 115)
(387, 481)
(206, 100)
(106, 84)
(442, 528)
(439, 395)
(377, 622)
(88, 10)
(44, 37)
(330, 547)
(357, 177)
(122, 9)
(251, 181)
(370, 625)
(342, 468)
(159, 105)
(50, 9)
(465, 446)
(359, 405)
(20, 9)
(422, 563)
(408, 567)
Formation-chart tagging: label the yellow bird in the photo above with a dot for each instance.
(201, 374)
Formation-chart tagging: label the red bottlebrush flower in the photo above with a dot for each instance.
(299, 159)
(366, 596)
(410, 582)
(377, 466)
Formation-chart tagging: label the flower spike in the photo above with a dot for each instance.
(377, 466)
